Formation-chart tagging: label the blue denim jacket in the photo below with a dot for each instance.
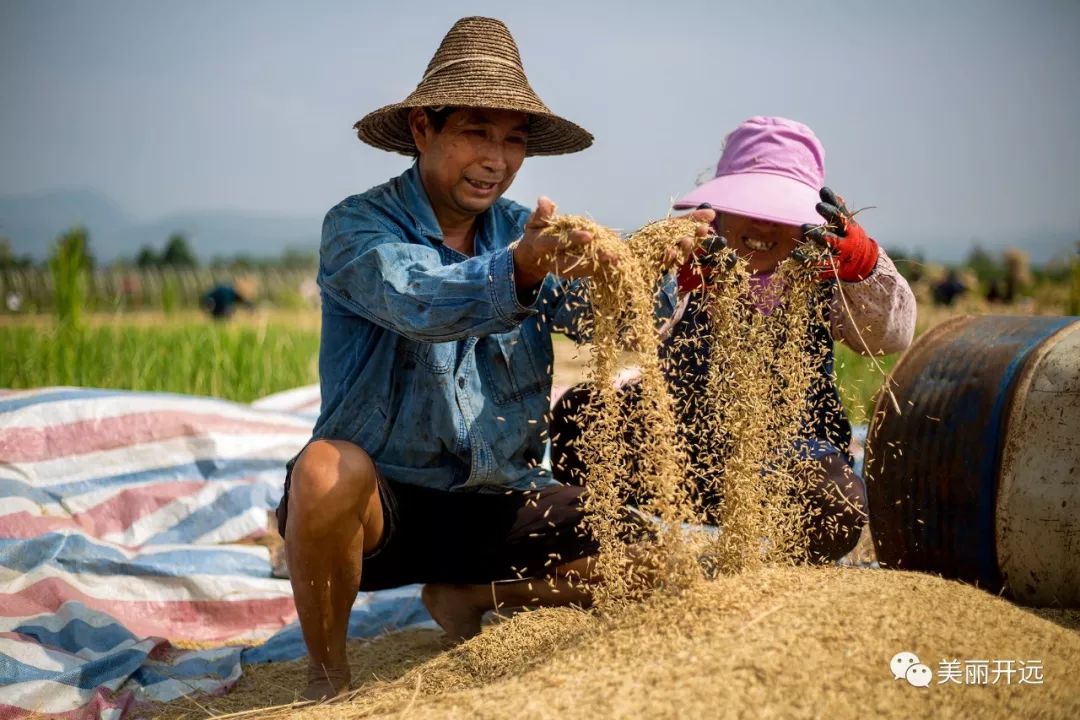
(429, 360)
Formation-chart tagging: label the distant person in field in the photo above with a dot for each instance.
(221, 301)
(438, 304)
(949, 289)
(769, 197)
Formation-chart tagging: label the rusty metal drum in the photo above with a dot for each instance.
(977, 477)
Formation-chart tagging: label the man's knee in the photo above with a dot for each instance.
(331, 479)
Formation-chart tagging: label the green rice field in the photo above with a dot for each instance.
(241, 360)
(246, 358)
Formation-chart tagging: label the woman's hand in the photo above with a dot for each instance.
(854, 252)
(683, 250)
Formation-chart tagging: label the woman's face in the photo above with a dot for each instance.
(762, 244)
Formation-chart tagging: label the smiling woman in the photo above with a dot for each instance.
(763, 244)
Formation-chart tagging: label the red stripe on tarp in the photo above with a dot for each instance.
(12, 636)
(23, 444)
(103, 699)
(115, 514)
(200, 620)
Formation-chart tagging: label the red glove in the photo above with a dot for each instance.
(692, 274)
(703, 262)
(854, 252)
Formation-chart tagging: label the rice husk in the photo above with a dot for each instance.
(622, 301)
(769, 642)
(754, 405)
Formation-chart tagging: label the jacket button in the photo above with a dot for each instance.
(461, 382)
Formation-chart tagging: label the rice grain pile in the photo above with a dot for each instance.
(730, 626)
(771, 642)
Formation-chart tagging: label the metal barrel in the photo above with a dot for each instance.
(977, 477)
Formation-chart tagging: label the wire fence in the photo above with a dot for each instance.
(32, 290)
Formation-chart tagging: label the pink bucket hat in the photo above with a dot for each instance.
(771, 169)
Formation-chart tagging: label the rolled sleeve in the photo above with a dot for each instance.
(504, 291)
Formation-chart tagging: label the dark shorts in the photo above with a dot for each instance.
(474, 537)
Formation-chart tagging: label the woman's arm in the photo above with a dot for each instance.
(875, 316)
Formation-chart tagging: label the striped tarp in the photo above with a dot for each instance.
(122, 521)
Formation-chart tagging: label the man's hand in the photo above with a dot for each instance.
(855, 253)
(538, 254)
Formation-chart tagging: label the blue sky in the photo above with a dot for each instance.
(955, 119)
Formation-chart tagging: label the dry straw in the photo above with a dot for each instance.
(477, 65)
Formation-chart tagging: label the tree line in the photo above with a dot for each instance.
(176, 253)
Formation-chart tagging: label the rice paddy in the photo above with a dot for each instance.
(242, 360)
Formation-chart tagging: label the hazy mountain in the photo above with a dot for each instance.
(1041, 246)
(33, 222)
(225, 234)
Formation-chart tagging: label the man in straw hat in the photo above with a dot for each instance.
(439, 298)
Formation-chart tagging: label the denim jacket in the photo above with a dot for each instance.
(429, 360)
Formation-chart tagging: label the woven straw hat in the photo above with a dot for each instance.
(477, 65)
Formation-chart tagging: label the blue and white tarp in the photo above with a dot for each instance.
(121, 521)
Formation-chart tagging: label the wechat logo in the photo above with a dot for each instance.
(906, 666)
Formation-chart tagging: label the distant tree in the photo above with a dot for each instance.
(147, 258)
(297, 259)
(8, 259)
(986, 267)
(178, 252)
(70, 264)
(243, 262)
